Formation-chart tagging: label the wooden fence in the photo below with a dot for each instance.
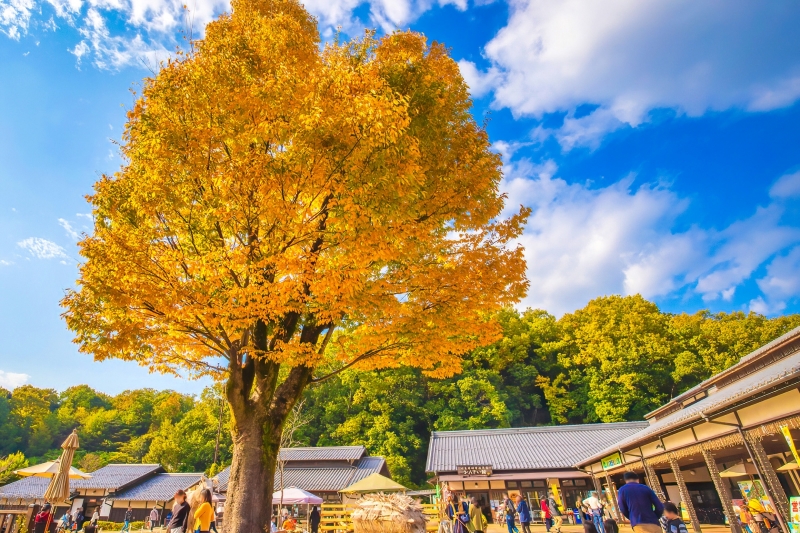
(11, 521)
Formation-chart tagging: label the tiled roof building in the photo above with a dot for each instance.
(323, 471)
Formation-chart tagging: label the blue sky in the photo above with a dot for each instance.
(657, 143)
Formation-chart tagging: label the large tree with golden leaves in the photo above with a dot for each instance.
(285, 205)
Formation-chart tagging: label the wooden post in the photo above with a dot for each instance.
(722, 491)
(30, 516)
(686, 499)
(614, 503)
(770, 479)
(652, 480)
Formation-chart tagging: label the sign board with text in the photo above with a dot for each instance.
(615, 459)
(474, 470)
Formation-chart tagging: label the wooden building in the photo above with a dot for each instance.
(743, 422)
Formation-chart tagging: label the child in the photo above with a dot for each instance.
(610, 525)
(673, 522)
(588, 527)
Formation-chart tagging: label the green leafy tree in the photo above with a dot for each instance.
(9, 464)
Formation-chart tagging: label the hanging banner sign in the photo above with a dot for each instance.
(790, 441)
(794, 513)
(474, 470)
(613, 460)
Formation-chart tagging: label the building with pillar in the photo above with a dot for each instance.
(531, 461)
(729, 439)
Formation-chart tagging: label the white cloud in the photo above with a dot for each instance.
(782, 280)
(480, 83)
(15, 16)
(787, 186)
(5, 263)
(630, 57)
(42, 248)
(80, 50)
(583, 241)
(153, 27)
(71, 233)
(12, 380)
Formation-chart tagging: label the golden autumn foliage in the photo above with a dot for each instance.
(265, 178)
(282, 201)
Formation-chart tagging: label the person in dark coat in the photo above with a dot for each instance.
(180, 514)
(639, 504)
(315, 519)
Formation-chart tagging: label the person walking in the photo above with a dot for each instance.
(672, 520)
(95, 517)
(595, 508)
(315, 518)
(126, 526)
(511, 515)
(547, 518)
(639, 504)
(180, 514)
(477, 522)
(555, 512)
(524, 513)
(153, 517)
(81, 518)
(204, 514)
(458, 512)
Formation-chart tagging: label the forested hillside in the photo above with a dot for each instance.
(616, 359)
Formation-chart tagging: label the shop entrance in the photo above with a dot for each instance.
(483, 502)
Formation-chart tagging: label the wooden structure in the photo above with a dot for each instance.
(748, 414)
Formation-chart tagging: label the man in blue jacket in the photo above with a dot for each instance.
(639, 504)
(524, 513)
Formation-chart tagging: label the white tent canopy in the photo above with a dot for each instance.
(293, 495)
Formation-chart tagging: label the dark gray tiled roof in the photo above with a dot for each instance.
(323, 453)
(532, 448)
(27, 488)
(110, 477)
(765, 378)
(161, 487)
(318, 478)
(367, 466)
(222, 479)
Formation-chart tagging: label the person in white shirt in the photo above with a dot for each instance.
(596, 508)
(153, 517)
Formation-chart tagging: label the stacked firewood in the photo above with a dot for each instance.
(388, 513)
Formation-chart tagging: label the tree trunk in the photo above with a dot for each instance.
(260, 405)
(248, 507)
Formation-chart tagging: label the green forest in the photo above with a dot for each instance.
(614, 360)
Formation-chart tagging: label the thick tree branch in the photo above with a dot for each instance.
(363, 356)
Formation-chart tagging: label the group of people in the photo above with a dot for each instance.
(204, 519)
(69, 521)
(288, 523)
(636, 501)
